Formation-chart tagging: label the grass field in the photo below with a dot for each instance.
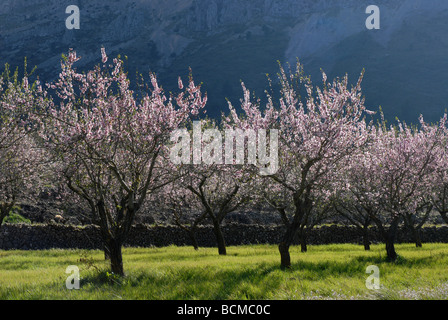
(247, 272)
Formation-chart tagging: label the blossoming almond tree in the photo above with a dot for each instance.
(217, 187)
(439, 188)
(355, 191)
(220, 189)
(182, 206)
(280, 199)
(314, 136)
(110, 144)
(20, 157)
(402, 162)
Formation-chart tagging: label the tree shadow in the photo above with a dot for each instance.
(259, 276)
(252, 281)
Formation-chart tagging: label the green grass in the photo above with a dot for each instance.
(247, 272)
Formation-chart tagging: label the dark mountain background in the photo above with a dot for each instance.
(225, 41)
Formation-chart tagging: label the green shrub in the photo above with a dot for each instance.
(15, 217)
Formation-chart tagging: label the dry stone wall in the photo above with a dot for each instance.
(48, 236)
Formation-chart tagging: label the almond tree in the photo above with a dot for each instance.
(357, 216)
(314, 136)
(216, 179)
(279, 198)
(219, 193)
(110, 143)
(414, 221)
(439, 188)
(356, 190)
(183, 207)
(403, 159)
(20, 157)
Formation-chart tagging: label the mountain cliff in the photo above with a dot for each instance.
(225, 41)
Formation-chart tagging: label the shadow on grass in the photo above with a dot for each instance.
(405, 261)
(356, 266)
(188, 284)
(250, 281)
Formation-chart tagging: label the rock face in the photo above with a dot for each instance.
(225, 41)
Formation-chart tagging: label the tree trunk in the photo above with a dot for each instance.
(288, 239)
(390, 250)
(302, 206)
(303, 247)
(114, 247)
(303, 241)
(416, 236)
(390, 240)
(415, 232)
(2, 216)
(365, 238)
(4, 212)
(285, 258)
(219, 238)
(194, 242)
(444, 216)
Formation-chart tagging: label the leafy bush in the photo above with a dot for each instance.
(15, 217)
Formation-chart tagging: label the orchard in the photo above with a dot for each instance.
(112, 151)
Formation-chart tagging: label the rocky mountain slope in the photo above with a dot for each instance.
(225, 41)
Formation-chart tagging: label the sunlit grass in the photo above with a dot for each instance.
(247, 272)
